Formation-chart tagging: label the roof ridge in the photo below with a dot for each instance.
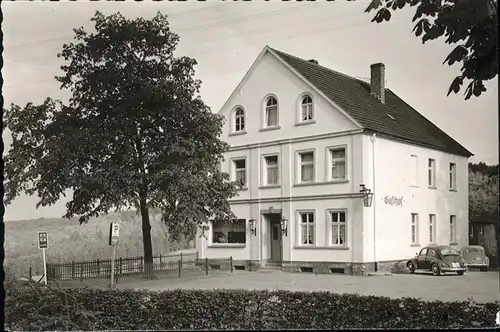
(314, 64)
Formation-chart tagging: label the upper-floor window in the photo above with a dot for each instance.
(337, 164)
(453, 176)
(431, 173)
(306, 108)
(240, 171)
(239, 120)
(229, 232)
(271, 172)
(271, 112)
(306, 227)
(414, 170)
(306, 166)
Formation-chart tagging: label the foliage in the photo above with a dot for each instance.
(235, 309)
(481, 167)
(469, 25)
(483, 196)
(135, 132)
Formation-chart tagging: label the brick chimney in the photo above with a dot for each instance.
(377, 81)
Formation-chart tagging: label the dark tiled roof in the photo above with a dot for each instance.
(353, 96)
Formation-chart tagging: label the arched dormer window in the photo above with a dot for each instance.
(306, 105)
(271, 112)
(239, 120)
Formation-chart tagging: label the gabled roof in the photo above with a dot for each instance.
(394, 118)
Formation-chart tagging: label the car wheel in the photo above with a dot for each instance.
(411, 267)
(484, 269)
(435, 270)
(460, 273)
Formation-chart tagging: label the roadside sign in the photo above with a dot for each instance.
(114, 233)
(43, 240)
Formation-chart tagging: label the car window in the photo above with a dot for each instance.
(423, 252)
(431, 253)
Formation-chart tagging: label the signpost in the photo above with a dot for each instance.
(114, 233)
(43, 243)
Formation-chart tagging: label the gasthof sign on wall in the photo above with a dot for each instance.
(393, 200)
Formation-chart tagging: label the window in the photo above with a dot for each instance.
(239, 120)
(432, 173)
(338, 224)
(453, 228)
(453, 176)
(481, 229)
(414, 171)
(307, 227)
(471, 229)
(240, 172)
(229, 232)
(306, 108)
(432, 228)
(414, 228)
(431, 253)
(337, 164)
(271, 112)
(306, 160)
(271, 173)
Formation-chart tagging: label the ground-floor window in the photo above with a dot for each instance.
(306, 227)
(338, 223)
(453, 228)
(225, 231)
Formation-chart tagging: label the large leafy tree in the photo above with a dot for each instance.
(483, 196)
(135, 133)
(470, 25)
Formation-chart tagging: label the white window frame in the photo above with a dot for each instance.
(299, 223)
(453, 176)
(453, 228)
(432, 228)
(267, 108)
(414, 170)
(431, 173)
(330, 160)
(414, 222)
(299, 165)
(481, 229)
(309, 107)
(331, 224)
(241, 117)
(265, 180)
(234, 170)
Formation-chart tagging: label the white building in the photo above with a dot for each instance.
(303, 139)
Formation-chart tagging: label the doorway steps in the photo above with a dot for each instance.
(271, 266)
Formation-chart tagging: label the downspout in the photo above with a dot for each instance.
(372, 138)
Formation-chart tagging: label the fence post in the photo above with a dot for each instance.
(81, 272)
(98, 268)
(120, 266)
(142, 264)
(31, 273)
(160, 262)
(73, 270)
(206, 266)
(231, 262)
(180, 267)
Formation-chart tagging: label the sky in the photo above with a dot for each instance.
(226, 37)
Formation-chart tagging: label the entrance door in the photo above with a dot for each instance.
(275, 241)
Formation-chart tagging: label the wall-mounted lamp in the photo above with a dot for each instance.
(284, 226)
(253, 226)
(367, 195)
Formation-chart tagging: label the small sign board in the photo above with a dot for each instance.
(114, 233)
(43, 240)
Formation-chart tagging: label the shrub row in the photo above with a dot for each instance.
(30, 307)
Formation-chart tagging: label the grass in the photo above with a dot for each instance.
(70, 241)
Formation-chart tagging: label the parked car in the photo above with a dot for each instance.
(475, 256)
(438, 260)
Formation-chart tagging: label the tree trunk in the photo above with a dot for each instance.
(146, 237)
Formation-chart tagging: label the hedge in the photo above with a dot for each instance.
(33, 307)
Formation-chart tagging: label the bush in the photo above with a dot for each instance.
(34, 307)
